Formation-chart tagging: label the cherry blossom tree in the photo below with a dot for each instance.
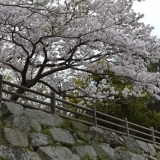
(50, 41)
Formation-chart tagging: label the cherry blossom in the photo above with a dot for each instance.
(51, 41)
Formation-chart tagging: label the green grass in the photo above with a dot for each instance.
(68, 124)
(45, 130)
(87, 157)
(32, 129)
(2, 158)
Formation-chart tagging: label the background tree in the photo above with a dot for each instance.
(50, 41)
(121, 105)
(7, 76)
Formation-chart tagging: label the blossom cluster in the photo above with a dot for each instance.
(55, 40)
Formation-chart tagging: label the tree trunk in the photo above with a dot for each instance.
(30, 84)
(19, 91)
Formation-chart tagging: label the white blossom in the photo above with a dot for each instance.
(43, 40)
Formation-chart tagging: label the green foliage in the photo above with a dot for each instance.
(54, 144)
(102, 157)
(32, 129)
(2, 158)
(68, 124)
(87, 157)
(133, 108)
(45, 130)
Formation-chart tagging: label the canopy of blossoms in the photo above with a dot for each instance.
(50, 41)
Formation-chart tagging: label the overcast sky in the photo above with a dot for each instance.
(151, 11)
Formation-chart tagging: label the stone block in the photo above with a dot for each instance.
(40, 140)
(127, 155)
(131, 144)
(150, 157)
(18, 122)
(22, 123)
(17, 153)
(15, 137)
(63, 136)
(101, 135)
(152, 149)
(44, 118)
(104, 151)
(83, 136)
(56, 153)
(107, 149)
(147, 147)
(86, 151)
(80, 126)
(97, 134)
(112, 139)
(34, 124)
(158, 155)
(32, 155)
(10, 108)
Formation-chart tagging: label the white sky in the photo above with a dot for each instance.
(151, 11)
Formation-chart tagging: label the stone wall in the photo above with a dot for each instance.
(27, 134)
